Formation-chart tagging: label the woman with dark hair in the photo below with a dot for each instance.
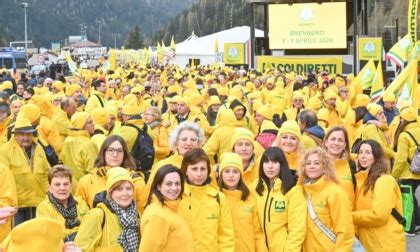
(378, 208)
(203, 207)
(113, 153)
(161, 214)
(281, 203)
(336, 143)
(327, 204)
(248, 232)
(407, 140)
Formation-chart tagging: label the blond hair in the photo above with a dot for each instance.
(326, 163)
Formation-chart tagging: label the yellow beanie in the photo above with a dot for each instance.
(298, 95)
(79, 119)
(6, 85)
(100, 116)
(268, 125)
(290, 127)
(214, 100)
(39, 234)
(58, 85)
(409, 114)
(314, 103)
(130, 98)
(195, 99)
(137, 89)
(389, 97)
(30, 111)
(117, 174)
(266, 111)
(242, 134)
(270, 81)
(229, 159)
(184, 100)
(172, 89)
(362, 100)
(323, 114)
(374, 108)
(130, 109)
(329, 94)
(340, 82)
(70, 90)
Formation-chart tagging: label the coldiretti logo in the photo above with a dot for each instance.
(212, 216)
(279, 206)
(369, 47)
(307, 14)
(320, 204)
(248, 210)
(347, 177)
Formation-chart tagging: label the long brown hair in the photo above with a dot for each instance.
(378, 167)
(399, 130)
(158, 180)
(128, 160)
(193, 157)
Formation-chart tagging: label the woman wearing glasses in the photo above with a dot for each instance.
(113, 153)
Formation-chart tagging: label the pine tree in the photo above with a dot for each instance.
(134, 40)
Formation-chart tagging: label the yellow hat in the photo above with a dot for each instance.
(298, 95)
(268, 125)
(242, 134)
(70, 90)
(323, 114)
(30, 111)
(44, 105)
(290, 127)
(329, 94)
(374, 108)
(58, 85)
(130, 109)
(112, 110)
(229, 159)
(39, 234)
(314, 103)
(266, 111)
(214, 100)
(362, 100)
(130, 98)
(23, 125)
(184, 100)
(6, 85)
(195, 99)
(100, 116)
(79, 119)
(117, 174)
(137, 89)
(172, 89)
(270, 81)
(340, 82)
(389, 97)
(409, 114)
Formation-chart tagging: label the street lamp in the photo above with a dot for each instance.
(99, 39)
(24, 6)
(115, 40)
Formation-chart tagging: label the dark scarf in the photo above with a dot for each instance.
(69, 213)
(128, 218)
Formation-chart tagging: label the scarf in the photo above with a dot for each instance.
(69, 213)
(128, 218)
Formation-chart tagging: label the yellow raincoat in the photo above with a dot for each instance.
(405, 150)
(8, 197)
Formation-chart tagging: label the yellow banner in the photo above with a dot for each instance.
(370, 49)
(412, 20)
(234, 53)
(307, 26)
(333, 65)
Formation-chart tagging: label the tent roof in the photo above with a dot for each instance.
(205, 45)
(81, 44)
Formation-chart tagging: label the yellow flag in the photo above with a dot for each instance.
(400, 51)
(377, 84)
(216, 46)
(163, 44)
(365, 76)
(173, 45)
(405, 85)
(112, 60)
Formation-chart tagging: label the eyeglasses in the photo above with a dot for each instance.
(192, 139)
(112, 151)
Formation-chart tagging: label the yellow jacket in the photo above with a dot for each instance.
(405, 150)
(378, 230)
(160, 142)
(346, 180)
(3, 130)
(92, 237)
(31, 181)
(248, 233)
(8, 197)
(282, 217)
(333, 208)
(293, 160)
(206, 211)
(252, 171)
(91, 184)
(371, 131)
(94, 101)
(63, 122)
(47, 209)
(49, 131)
(173, 234)
(79, 154)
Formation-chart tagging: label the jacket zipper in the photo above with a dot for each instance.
(269, 210)
(265, 215)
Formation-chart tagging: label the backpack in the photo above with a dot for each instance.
(415, 161)
(143, 151)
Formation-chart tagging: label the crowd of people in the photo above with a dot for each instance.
(204, 158)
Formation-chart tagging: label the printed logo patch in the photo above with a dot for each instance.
(279, 206)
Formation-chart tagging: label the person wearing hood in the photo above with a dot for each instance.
(101, 120)
(79, 151)
(26, 159)
(114, 223)
(249, 236)
(162, 214)
(330, 99)
(298, 103)
(153, 119)
(220, 140)
(97, 99)
(281, 204)
(60, 204)
(213, 109)
(327, 203)
(389, 104)
(205, 208)
(240, 111)
(312, 133)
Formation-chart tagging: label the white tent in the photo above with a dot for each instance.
(203, 48)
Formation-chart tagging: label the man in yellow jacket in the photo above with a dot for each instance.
(29, 165)
(97, 99)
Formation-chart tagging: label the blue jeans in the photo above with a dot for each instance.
(24, 214)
